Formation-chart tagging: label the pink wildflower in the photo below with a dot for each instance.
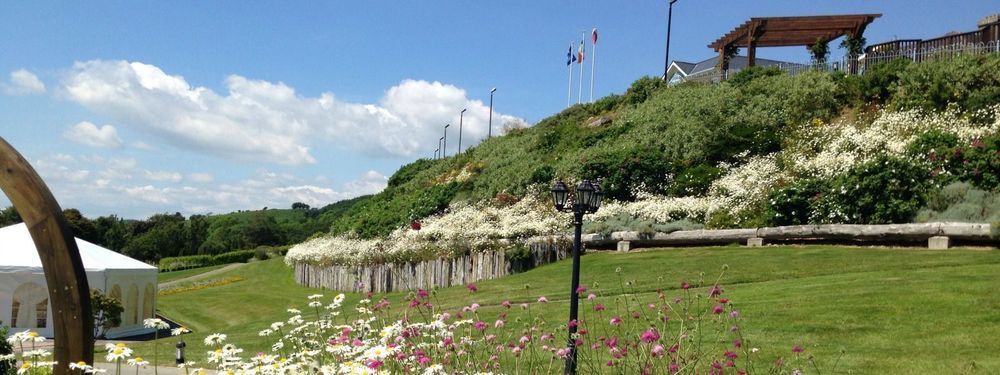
(598, 307)
(714, 291)
(472, 287)
(505, 304)
(616, 321)
(718, 309)
(422, 293)
(797, 349)
(581, 289)
(685, 285)
(649, 335)
(591, 296)
(498, 324)
(542, 299)
(480, 325)
(657, 351)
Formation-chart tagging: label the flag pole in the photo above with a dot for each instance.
(569, 65)
(583, 37)
(593, 63)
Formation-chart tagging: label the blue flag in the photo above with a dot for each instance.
(570, 56)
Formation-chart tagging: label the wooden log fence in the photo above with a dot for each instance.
(471, 268)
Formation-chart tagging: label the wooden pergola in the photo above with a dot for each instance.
(789, 31)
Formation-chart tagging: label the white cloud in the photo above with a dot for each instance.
(88, 134)
(163, 176)
(23, 82)
(270, 122)
(200, 177)
(125, 188)
(372, 182)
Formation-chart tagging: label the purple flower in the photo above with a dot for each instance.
(472, 287)
(714, 291)
(616, 321)
(480, 325)
(657, 351)
(598, 307)
(718, 309)
(797, 349)
(649, 336)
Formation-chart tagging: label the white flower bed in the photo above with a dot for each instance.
(463, 226)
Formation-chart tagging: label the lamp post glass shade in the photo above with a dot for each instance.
(595, 200)
(584, 193)
(559, 195)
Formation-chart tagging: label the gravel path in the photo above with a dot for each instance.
(173, 283)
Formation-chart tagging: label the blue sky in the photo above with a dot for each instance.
(135, 108)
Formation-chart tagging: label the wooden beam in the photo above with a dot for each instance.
(69, 292)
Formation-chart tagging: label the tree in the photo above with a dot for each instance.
(9, 216)
(300, 206)
(82, 227)
(107, 312)
(820, 51)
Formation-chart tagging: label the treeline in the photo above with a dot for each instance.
(171, 235)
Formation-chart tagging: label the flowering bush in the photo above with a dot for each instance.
(463, 228)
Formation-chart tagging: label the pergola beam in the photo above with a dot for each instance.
(807, 28)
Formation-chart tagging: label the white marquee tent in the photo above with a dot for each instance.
(24, 300)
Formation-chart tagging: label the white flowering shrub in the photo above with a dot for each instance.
(460, 229)
(816, 150)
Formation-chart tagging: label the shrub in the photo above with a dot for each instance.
(971, 82)
(642, 89)
(876, 84)
(744, 76)
(7, 366)
(695, 180)
(106, 311)
(195, 261)
(886, 190)
(793, 204)
(975, 161)
(261, 253)
(624, 222)
(961, 202)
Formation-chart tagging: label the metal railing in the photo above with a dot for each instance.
(906, 49)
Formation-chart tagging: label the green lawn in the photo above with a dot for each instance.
(176, 275)
(888, 310)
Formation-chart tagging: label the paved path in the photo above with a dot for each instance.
(227, 268)
(148, 370)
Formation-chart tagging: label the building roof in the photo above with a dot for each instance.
(19, 254)
(684, 67)
(736, 63)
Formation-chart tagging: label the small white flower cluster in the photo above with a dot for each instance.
(463, 226)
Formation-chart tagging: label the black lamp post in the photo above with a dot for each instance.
(586, 200)
(439, 147)
(670, 14)
(489, 133)
(444, 149)
(461, 116)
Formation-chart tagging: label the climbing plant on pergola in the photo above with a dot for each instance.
(788, 31)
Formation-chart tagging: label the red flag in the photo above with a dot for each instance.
(593, 35)
(579, 54)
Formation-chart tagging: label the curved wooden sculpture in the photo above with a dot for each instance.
(69, 292)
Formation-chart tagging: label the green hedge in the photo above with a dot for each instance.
(195, 261)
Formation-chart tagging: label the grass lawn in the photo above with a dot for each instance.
(176, 275)
(886, 310)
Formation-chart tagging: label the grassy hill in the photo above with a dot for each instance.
(872, 310)
(677, 141)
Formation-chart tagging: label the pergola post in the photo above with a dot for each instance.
(752, 43)
(69, 292)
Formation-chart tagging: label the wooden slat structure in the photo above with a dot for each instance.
(789, 31)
